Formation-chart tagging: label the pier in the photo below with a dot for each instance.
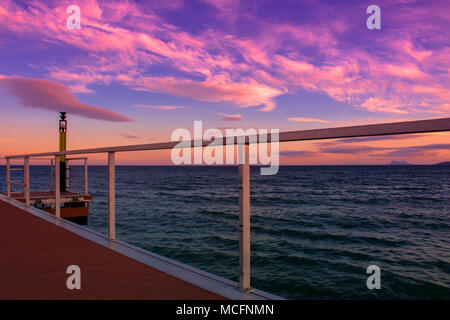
(38, 246)
(34, 263)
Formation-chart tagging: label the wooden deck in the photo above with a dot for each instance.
(34, 256)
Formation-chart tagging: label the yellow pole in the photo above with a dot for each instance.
(62, 147)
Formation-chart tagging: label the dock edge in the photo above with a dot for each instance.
(202, 279)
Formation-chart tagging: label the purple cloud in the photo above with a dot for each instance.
(54, 96)
(416, 150)
(130, 136)
(380, 138)
(165, 108)
(302, 153)
(349, 149)
(231, 117)
(389, 151)
(244, 54)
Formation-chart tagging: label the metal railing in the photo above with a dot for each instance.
(407, 127)
(85, 176)
(25, 182)
(26, 169)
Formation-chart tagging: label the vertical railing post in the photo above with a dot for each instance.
(67, 175)
(26, 180)
(112, 195)
(244, 217)
(57, 188)
(8, 178)
(51, 175)
(85, 176)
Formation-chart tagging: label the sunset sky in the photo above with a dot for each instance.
(137, 70)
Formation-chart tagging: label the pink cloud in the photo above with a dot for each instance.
(377, 104)
(231, 117)
(165, 108)
(50, 95)
(299, 153)
(408, 71)
(416, 54)
(123, 39)
(297, 119)
(133, 48)
(130, 136)
(242, 94)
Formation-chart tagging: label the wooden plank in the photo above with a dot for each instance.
(35, 255)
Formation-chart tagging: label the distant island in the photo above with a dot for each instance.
(399, 163)
(445, 163)
(404, 163)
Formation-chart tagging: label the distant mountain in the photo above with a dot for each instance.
(445, 163)
(399, 163)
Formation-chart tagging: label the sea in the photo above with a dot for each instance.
(315, 230)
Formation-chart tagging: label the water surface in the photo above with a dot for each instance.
(315, 229)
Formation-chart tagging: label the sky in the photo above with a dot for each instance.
(137, 70)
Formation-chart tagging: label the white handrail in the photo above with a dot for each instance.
(406, 127)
